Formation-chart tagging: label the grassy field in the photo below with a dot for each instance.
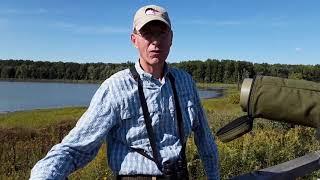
(27, 136)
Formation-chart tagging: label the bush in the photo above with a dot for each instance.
(234, 98)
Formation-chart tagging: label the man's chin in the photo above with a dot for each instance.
(156, 60)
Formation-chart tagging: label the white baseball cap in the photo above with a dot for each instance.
(150, 13)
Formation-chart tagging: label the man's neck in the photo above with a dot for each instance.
(155, 70)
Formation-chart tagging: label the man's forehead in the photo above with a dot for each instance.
(154, 25)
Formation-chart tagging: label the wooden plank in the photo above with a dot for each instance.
(292, 169)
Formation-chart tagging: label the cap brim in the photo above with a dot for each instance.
(139, 25)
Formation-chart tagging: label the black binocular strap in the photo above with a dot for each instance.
(148, 120)
(179, 116)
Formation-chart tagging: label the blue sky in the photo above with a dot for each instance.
(271, 31)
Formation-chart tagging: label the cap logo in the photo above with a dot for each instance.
(151, 11)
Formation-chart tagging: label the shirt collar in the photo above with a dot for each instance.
(143, 74)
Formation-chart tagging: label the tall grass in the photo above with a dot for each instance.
(39, 118)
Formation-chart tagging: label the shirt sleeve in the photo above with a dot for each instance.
(82, 143)
(205, 143)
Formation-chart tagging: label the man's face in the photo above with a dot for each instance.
(153, 42)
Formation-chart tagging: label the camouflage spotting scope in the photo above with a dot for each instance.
(278, 99)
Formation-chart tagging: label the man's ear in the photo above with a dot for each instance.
(171, 37)
(134, 40)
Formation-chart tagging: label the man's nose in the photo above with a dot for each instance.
(156, 40)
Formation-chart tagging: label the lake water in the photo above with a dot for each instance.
(16, 96)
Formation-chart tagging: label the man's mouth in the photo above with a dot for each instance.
(156, 51)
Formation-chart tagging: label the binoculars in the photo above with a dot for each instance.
(279, 99)
(175, 170)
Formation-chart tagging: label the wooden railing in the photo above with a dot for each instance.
(288, 170)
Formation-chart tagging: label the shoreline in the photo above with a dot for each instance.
(41, 109)
(52, 81)
(219, 93)
(199, 86)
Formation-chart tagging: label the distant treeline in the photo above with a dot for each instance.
(211, 70)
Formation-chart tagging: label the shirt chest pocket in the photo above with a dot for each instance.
(131, 118)
(134, 116)
(131, 128)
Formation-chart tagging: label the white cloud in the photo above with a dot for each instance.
(197, 22)
(280, 21)
(209, 22)
(41, 11)
(253, 21)
(3, 23)
(228, 23)
(101, 30)
(297, 49)
(96, 30)
(267, 19)
(64, 25)
(3, 20)
(24, 11)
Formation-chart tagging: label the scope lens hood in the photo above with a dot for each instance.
(235, 129)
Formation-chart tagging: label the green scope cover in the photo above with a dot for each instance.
(273, 98)
(286, 100)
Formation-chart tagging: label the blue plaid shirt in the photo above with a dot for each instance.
(115, 115)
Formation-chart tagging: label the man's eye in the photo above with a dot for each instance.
(164, 32)
(147, 34)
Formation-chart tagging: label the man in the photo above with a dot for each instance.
(145, 114)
